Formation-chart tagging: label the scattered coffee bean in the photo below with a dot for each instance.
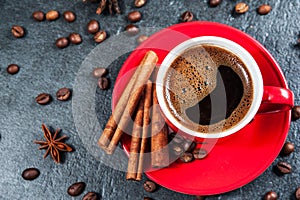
(12, 69)
(134, 16)
(99, 72)
(75, 38)
(52, 15)
(147, 198)
(297, 193)
(139, 3)
(30, 174)
(186, 157)
(43, 98)
(214, 3)
(93, 26)
(264, 9)
(298, 42)
(199, 153)
(189, 146)
(200, 197)
(38, 16)
(17, 31)
(100, 36)
(103, 83)
(241, 8)
(76, 189)
(284, 168)
(62, 42)
(149, 186)
(177, 149)
(187, 16)
(90, 196)
(287, 148)
(69, 16)
(295, 113)
(141, 38)
(271, 195)
(63, 94)
(132, 29)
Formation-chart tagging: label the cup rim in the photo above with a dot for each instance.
(236, 49)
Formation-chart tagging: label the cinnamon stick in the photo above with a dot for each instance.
(145, 131)
(111, 125)
(127, 103)
(133, 161)
(159, 138)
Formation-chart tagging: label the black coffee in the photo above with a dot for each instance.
(208, 89)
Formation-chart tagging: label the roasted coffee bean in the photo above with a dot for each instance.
(199, 153)
(186, 157)
(62, 42)
(200, 197)
(214, 3)
(147, 198)
(103, 83)
(134, 16)
(76, 189)
(271, 195)
(38, 16)
(295, 113)
(189, 146)
(139, 3)
(141, 38)
(52, 15)
(90, 196)
(241, 8)
(30, 174)
(43, 98)
(17, 31)
(284, 168)
(297, 193)
(69, 16)
(187, 16)
(100, 36)
(63, 94)
(132, 29)
(99, 72)
(75, 38)
(287, 148)
(149, 186)
(264, 9)
(177, 149)
(12, 69)
(93, 26)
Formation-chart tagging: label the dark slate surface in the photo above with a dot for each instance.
(44, 68)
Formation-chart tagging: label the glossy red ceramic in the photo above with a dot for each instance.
(244, 155)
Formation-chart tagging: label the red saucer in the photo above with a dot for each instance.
(244, 155)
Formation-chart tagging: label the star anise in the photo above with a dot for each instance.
(53, 145)
(110, 4)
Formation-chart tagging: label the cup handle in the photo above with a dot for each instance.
(276, 99)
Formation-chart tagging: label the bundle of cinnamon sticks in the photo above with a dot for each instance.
(136, 102)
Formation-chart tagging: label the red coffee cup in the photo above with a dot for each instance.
(266, 99)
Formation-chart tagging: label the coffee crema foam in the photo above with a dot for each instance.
(192, 76)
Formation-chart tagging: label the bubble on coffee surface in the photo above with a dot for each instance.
(192, 77)
(192, 80)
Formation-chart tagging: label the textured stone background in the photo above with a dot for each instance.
(44, 68)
